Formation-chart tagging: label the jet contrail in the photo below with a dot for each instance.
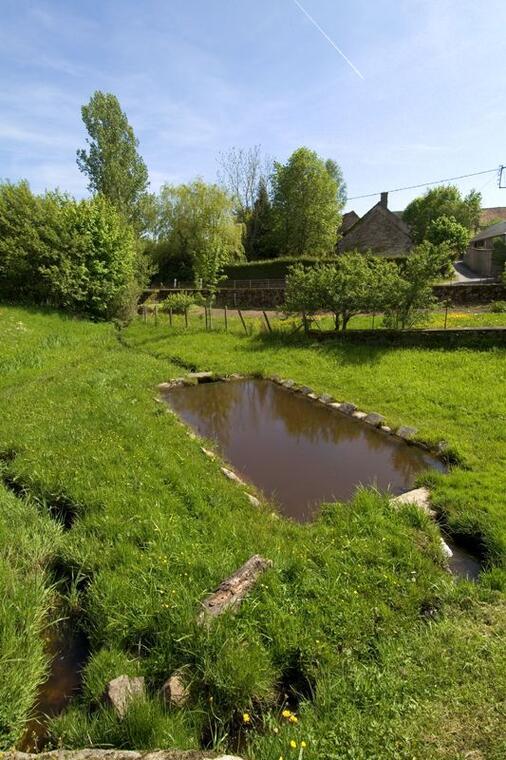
(317, 25)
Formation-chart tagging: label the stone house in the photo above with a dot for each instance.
(380, 231)
(479, 257)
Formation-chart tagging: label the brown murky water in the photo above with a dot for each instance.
(69, 651)
(297, 451)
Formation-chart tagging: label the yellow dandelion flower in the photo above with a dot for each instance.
(293, 744)
(303, 745)
(246, 718)
(293, 719)
(286, 713)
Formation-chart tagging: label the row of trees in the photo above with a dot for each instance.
(259, 210)
(357, 283)
(91, 255)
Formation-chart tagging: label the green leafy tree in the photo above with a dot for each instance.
(79, 256)
(196, 221)
(306, 207)
(442, 201)
(414, 296)
(303, 292)
(259, 242)
(112, 162)
(336, 173)
(355, 283)
(446, 230)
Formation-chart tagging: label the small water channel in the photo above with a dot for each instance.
(298, 452)
(68, 650)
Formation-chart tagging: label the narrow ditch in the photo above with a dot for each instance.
(59, 506)
(68, 649)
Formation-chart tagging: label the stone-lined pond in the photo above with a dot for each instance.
(298, 452)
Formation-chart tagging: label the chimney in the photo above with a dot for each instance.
(384, 200)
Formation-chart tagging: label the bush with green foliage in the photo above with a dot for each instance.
(445, 230)
(79, 256)
(444, 201)
(414, 295)
(358, 283)
(354, 283)
(498, 307)
(178, 303)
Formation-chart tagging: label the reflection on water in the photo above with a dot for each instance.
(298, 452)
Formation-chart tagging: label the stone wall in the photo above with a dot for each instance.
(459, 294)
(471, 294)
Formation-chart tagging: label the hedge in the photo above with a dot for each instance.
(275, 269)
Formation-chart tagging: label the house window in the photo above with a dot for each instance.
(479, 244)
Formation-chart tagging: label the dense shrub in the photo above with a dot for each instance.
(78, 256)
(179, 302)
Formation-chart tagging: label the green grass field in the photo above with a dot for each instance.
(357, 626)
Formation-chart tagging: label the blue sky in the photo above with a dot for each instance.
(199, 76)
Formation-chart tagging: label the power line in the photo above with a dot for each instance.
(424, 184)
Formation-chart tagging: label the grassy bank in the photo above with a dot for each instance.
(357, 627)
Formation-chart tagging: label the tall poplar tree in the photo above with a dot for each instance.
(112, 162)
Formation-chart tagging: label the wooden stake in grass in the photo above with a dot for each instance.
(205, 316)
(267, 321)
(226, 319)
(145, 313)
(242, 320)
(156, 314)
(170, 316)
(210, 319)
(186, 316)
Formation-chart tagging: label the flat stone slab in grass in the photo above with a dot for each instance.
(122, 690)
(359, 415)
(346, 408)
(288, 383)
(252, 499)
(374, 419)
(405, 432)
(232, 476)
(232, 591)
(165, 386)
(326, 399)
(305, 390)
(386, 429)
(118, 754)
(418, 496)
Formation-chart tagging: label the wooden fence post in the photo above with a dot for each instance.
(225, 315)
(156, 314)
(170, 316)
(186, 316)
(267, 321)
(242, 320)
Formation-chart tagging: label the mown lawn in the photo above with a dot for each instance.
(380, 653)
